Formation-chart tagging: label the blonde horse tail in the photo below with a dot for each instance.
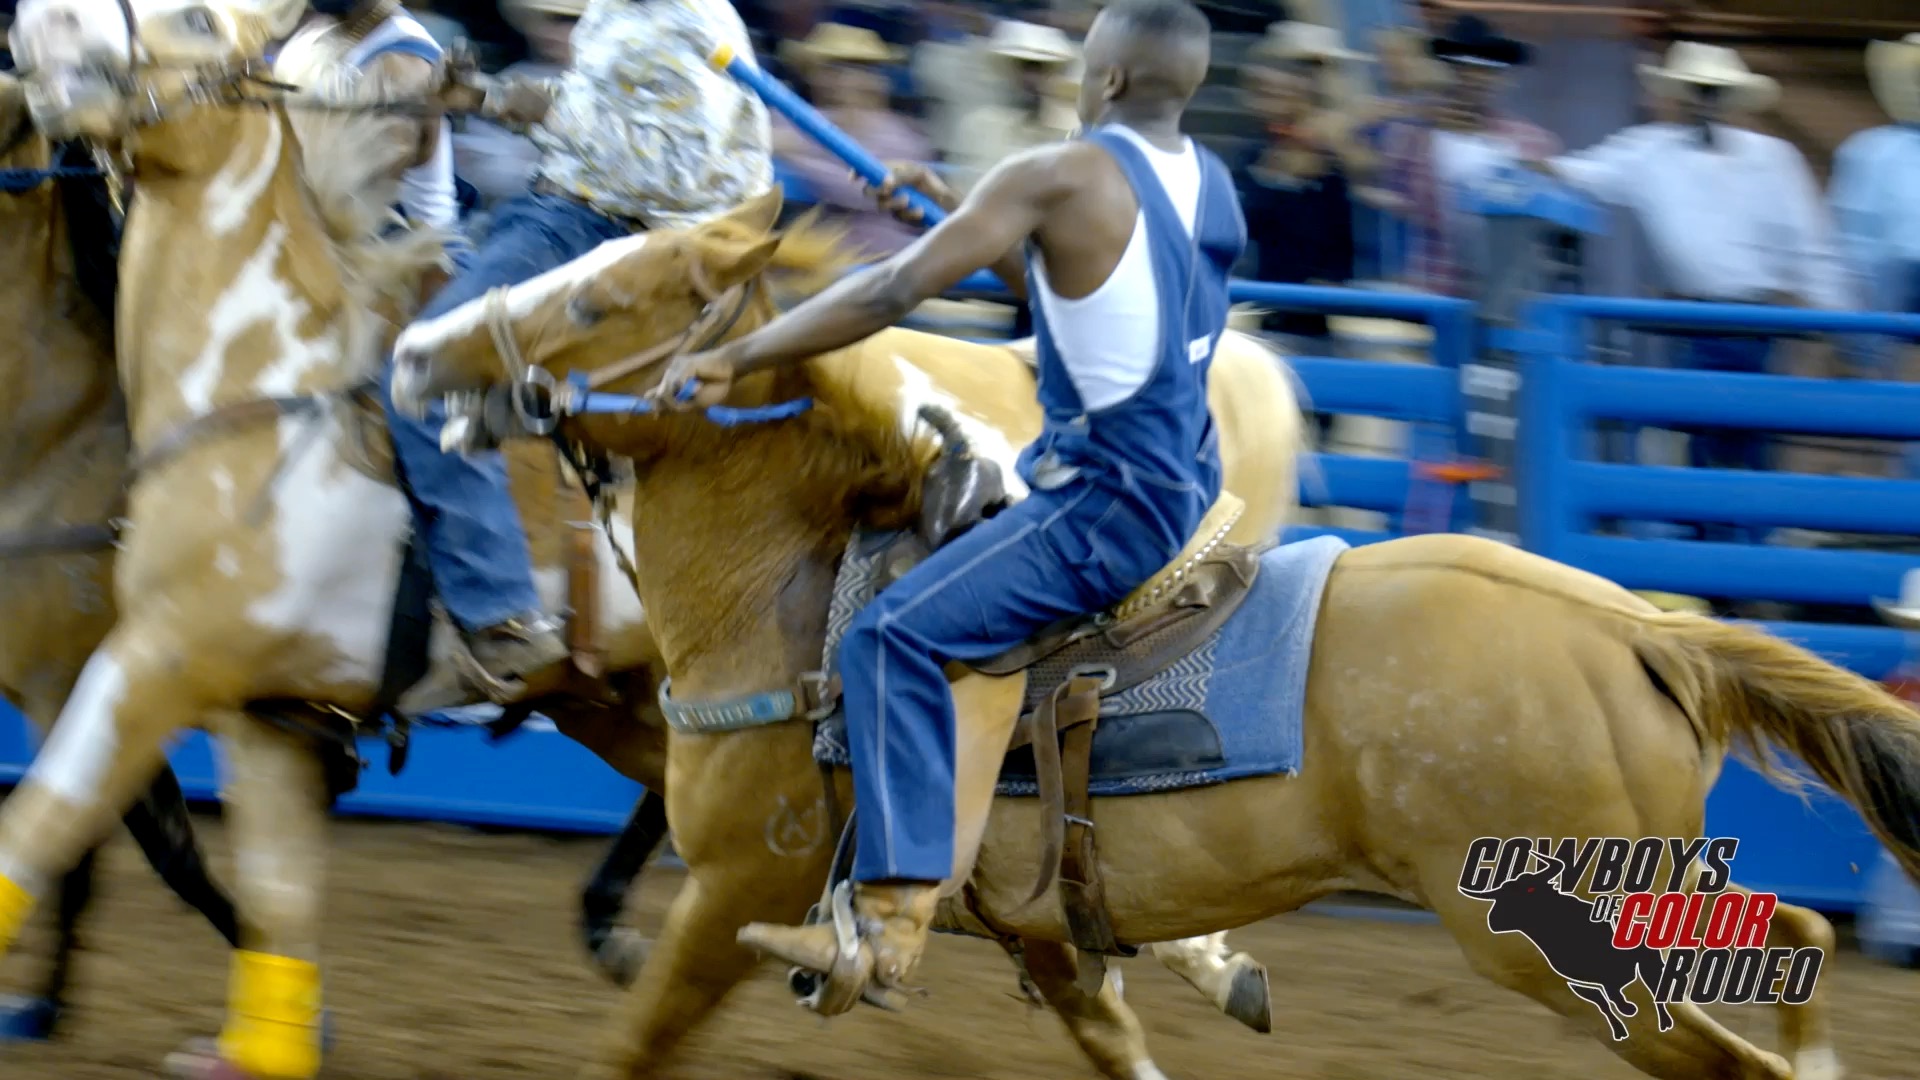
(1257, 398)
(1760, 695)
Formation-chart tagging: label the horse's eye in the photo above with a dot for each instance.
(584, 310)
(198, 20)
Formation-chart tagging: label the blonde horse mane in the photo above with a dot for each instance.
(850, 454)
(352, 160)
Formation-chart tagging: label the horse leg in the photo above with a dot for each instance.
(696, 961)
(105, 747)
(276, 801)
(1806, 1030)
(1102, 1025)
(163, 827)
(32, 1018)
(619, 951)
(1695, 1048)
(1236, 983)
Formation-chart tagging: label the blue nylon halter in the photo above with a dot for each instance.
(582, 401)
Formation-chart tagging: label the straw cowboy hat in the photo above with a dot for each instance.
(517, 12)
(1295, 40)
(1031, 43)
(838, 43)
(1893, 67)
(1691, 64)
(1904, 612)
(1472, 40)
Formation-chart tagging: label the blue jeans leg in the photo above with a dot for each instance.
(476, 546)
(1006, 578)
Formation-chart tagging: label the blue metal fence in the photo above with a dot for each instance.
(1811, 851)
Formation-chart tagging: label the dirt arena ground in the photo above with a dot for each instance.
(452, 957)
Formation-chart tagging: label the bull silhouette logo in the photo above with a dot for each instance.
(1538, 905)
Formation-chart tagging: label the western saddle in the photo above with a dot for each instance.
(1072, 665)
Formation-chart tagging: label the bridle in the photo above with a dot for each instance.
(224, 84)
(581, 393)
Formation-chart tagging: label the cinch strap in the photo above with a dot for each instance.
(273, 1017)
(816, 697)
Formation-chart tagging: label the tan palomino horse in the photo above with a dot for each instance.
(261, 554)
(1458, 688)
(61, 474)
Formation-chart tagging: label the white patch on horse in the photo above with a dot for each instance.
(428, 336)
(256, 295)
(792, 833)
(917, 388)
(222, 479)
(233, 191)
(225, 562)
(337, 538)
(74, 762)
(619, 604)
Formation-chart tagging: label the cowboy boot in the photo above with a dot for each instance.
(521, 658)
(887, 925)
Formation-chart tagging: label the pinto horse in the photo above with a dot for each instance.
(1457, 689)
(62, 475)
(257, 578)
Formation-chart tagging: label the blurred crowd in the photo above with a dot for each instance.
(1330, 135)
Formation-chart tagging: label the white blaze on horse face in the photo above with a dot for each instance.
(68, 32)
(917, 388)
(338, 539)
(428, 338)
(74, 762)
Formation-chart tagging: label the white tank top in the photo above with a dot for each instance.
(1109, 339)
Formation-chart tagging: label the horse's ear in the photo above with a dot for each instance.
(758, 214)
(729, 264)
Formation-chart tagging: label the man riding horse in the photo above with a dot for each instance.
(641, 132)
(1133, 230)
(379, 45)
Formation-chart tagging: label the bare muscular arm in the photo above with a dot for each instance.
(1003, 211)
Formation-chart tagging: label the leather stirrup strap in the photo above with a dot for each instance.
(1083, 898)
(1074, 703)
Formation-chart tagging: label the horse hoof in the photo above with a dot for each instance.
(622, 955)
(28, 1019)
(1249, 999)
(199, 1059)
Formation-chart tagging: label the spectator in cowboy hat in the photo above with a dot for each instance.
(1469, 139)
(1295, 182)
(1875, 191)
(1731, 215)
(846, 69)
(1036, 65)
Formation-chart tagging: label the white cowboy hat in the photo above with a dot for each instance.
(1893, 67)
(1690, 64)
(1031, 43)
(838, 43)
(1305, 41)
(1904, 612)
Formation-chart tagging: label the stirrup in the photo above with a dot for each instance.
(831, 993)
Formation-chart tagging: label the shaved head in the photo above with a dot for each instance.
(1144, 59)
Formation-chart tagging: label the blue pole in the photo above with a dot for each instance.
(819, 128)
